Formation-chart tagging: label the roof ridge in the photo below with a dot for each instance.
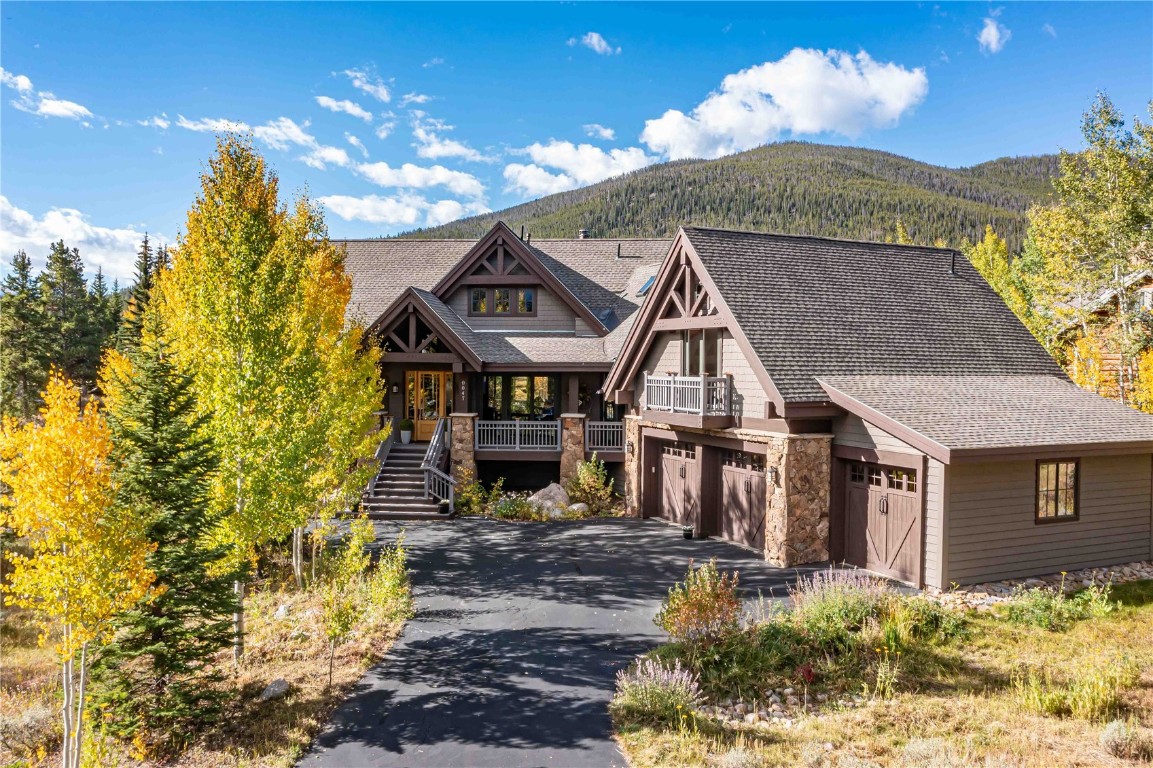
(821, 238)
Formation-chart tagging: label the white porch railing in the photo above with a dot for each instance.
(604, 436)
(518, 435)
(704, 395)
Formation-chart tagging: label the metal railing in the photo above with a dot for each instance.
(518, 435)
(704, 395)
(381, 454)
(604, 436)
(437, 484)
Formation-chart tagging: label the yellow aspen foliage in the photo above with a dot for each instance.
(1085, 364)
(1143, 386)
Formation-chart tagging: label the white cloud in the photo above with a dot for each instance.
(431, 145)
(994, 35)
(598, 131)
(160, 121)
(1049, 30)
(43, 103)
(212, 125)
(414, 98)
(345, 106)
(594, 41)
(354, 141)
(417, 177)
(322, 156)
(384, 130)
(404, 210)
(282, 133)
(369, 83)
(578, 165)
(110, 248)
(805, 92)
(434, 62)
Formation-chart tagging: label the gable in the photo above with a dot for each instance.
(413, 327)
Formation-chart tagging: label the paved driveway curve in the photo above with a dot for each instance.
(518, 635)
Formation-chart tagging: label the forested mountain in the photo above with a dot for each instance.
(791, 187)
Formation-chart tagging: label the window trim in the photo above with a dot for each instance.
(1037, 518)
(514, 300)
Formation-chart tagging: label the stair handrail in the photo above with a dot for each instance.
(438, 484)
(380, 455)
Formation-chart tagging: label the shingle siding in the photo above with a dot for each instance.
(854, 431)
(749, 396)
(552, 314)
(934, 523)
(664, 355)
(992, 533)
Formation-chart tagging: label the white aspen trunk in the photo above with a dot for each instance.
(331, 656)
(78, 747)
(238, 622)
(298, 555)
(66, 680)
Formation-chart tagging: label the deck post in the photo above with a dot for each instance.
(462, 445)
(572, 444)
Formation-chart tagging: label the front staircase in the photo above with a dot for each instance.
(398, 492)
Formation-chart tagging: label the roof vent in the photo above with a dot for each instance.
(583, 234)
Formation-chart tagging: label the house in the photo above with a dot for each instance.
(824, 399)
(503, 341)
(808, 398)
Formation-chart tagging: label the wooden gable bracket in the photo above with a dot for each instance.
(400, 325)
(689, 305)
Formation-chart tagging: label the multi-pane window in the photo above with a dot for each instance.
(1057, 490)
(856, 473)
(502, 301)
(479, 304)
(903, 479)
(525, 301)
(875, 477)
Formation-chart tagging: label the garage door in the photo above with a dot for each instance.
(680, 478)
(883, 515)
(743, 498)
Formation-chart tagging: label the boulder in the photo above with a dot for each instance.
(549, 498)
(274, 690)
(281, 612)
(579, 509)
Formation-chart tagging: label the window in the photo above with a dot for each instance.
(875, 477)
(525, 301)
(647, 286)
(903, 479)
(856, 473)
(502, 303)
(479, 304)
(1057, 496)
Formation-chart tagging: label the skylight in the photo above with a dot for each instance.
(648, 284)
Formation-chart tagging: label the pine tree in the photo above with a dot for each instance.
(154, 678)
(23, 363)
(102, 319)
(128, 334)
(65, 302)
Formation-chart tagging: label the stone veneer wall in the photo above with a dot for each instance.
(797, 514)
(462, 444)
(572, 444)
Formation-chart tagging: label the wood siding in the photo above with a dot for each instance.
(854, 431)
(749, 396)
(664, 354)
(934, 523)
(992, 533)
(552, 314)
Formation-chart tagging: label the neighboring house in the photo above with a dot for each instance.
(822, 399)
(506, 340)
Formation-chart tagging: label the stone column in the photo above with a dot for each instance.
(632, 489)
(462, 445)
(572, 444)
(798, 528)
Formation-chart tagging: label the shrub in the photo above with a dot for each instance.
(1126, 741)
(404, 425)
(833, 604)
(1050, 608)
(653, 692)
(704, 607)
(909, 619)
(32, 733)
(1093, 694)
(471, 497)
(516, 506)
(591, 485)
(387, 588)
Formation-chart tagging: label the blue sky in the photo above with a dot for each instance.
(397, 116)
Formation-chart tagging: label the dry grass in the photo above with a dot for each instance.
(252, 734)
(959, 710)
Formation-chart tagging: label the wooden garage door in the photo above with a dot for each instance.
(743, 498)
(883, 515)
(679, 480)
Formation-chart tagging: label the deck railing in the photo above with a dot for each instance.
(518, 435)
(381, 454)
(437, 484)
(703, 395)
(604, 436)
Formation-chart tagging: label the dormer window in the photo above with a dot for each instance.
(502, 302)
(479, 305)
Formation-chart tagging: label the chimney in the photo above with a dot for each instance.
(583, 234)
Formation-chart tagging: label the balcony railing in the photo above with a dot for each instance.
(518, 435)
(702, 395)
(604, 436)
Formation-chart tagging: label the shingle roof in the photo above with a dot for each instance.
(381, 269)
(816, 308)
(971, 413)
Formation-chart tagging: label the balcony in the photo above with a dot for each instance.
(540, 436)
(692, 401)
(603, 437)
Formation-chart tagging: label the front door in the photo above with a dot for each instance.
(427, 401)
(883, 515)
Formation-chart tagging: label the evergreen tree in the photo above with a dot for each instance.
(23, 363)
(102, 317)
(128, 335)
(154, 679)
(65, 302)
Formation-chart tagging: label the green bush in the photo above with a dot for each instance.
(471, 497)
(655, 693)
(1052, 609)
(516, 506)
(1092, 694)
(704, 607)
(591, 485)
(832, 606)
(387, 592)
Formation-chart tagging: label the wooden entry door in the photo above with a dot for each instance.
(680, 479)
(743, 499)
(428, 397)
(883, 516)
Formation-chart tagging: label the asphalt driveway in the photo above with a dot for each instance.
(518, 635)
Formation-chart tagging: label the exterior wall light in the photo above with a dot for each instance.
(774, 475)
(629, 447)
(396, 389)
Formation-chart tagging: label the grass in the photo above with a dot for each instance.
(962, 699)
(252, 734)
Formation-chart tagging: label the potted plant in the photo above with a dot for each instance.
(687, 531)
(405, 427)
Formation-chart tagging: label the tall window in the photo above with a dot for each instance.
(479, 304)
(1057, 497)
(525, 397)
(525, 301)
(502, 303)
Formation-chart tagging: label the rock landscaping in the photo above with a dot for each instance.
(982, 597)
